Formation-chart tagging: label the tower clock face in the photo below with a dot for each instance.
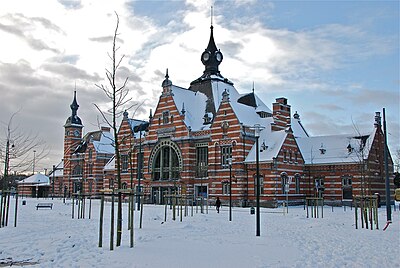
(218, 56)
(76, 133)
(205, 56)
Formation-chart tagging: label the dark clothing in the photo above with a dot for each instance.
(218, 204)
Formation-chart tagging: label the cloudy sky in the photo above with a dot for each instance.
(337, 62)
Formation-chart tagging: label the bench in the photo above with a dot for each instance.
(44, 205)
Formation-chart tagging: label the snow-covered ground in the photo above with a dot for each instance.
(50, 238)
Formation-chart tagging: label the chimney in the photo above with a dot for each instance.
(281, 114)
(377, 119)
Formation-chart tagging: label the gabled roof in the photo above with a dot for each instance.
(270, 143)
(194, 105)
(37, 179)
(102, 141)
(297, 127)
(335, 149)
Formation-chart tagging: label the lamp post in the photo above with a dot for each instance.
(139, 165)
(52, 190)
(229, 160)
(257, 129)
(33, 165)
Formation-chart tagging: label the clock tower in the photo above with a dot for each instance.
(72, 138)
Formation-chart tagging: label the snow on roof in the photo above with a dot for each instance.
(195, 106)
(110, 164)
(105, 144)
(335, 149)
(270, 143)
(298, 129)
(38, 179)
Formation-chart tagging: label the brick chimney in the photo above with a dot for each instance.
(377, 123)
(281, 114)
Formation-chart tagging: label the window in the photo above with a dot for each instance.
(77, 170)
(261, 184)
(284, 180)
(90, 169)
(297, 178)
(165, 116)
(124, 185)
(296, 157)
(201, 161)
(285, 156)
(226, 153)
(225, 188)
(290, 156)
(166, 164)
(347, 189)
(90, 154)
(124, 163)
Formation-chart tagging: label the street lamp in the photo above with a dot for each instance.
(139, 128)
(33, 165)
(52, 190)
(257, 129)
(229, 160)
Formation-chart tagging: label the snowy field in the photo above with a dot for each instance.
(50, 238)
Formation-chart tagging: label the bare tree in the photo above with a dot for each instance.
(120, 100)
(21, 149)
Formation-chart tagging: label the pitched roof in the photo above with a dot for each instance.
(37, 179)
(194, 104)
(270, 143)
(335, 149)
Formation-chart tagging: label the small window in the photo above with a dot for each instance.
(124, 163)
(226, 153)
(124, 185)
(297, 181)
(284, 156)
(225, 188)
(165, 117)
(290, 156)
(295, 157)
(261, 184)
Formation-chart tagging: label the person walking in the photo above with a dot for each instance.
(217, 204)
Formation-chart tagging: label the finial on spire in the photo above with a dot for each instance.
(166, 82)
(212, 16)
(253, 86)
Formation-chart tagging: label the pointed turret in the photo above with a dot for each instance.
(74, 119)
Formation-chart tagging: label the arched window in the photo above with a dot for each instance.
(166, 161)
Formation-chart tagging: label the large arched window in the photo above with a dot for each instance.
(166, 161)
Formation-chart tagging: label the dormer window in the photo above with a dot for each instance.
(349, 148)
(322, 150)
